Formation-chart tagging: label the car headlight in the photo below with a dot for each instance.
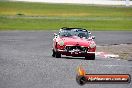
(92, 45)
(61, 43)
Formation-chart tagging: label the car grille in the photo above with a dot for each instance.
(70, 48)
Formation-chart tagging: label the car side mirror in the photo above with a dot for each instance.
(89, 33)
(55, 35)
(93, 37)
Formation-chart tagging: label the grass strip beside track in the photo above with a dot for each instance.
(42, 16)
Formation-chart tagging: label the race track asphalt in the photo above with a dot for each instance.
(26, 61)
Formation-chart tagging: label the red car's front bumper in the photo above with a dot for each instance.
(75, 53)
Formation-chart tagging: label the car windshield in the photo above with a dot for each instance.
(74, 32)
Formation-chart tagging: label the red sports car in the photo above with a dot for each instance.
(74, 42)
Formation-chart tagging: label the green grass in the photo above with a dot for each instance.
(37, 16)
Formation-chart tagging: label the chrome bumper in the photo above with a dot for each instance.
(75, 51)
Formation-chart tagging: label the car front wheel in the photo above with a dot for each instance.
(58, 55)
(90, 57)
(53, 53)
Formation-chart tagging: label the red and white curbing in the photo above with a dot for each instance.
(106, 55)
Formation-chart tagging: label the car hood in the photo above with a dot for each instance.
(76, 41)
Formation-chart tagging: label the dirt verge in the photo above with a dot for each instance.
(123, 50)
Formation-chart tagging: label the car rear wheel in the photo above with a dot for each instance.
(58, 55)
(90, 57)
